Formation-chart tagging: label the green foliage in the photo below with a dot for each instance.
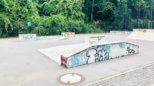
(5, 21)
(98, 30)
(51, 17)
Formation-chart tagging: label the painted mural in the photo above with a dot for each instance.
(25, 37)
(99, 53)
(68, 34)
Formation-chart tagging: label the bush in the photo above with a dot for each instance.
(98, 30)
(0, 32)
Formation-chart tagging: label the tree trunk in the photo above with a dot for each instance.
(138, 17)
(151, 15)
(92, 9)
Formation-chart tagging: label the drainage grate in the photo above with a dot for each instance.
(70, 78)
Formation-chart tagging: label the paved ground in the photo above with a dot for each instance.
(143, 76)
(21, 64)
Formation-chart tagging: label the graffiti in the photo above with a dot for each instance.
(91, 55)
(68, 34)
(28, 37)
(99, 53)
(121, 45)
(94, 55)
(130, 51)
(23, 37)
(102, 55)
(63, 61)
(76, 60)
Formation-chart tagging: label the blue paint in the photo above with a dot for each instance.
(121, 45)
(106, 58)
(97, 60)
(96, 54)
(76, 60)
(71, 62)
(122, 55)
(105, 47)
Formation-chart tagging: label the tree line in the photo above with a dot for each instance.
(51, 17)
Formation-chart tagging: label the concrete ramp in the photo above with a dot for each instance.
(126, 33)
(96, 53)
(142, 34)
(78, 54)
(54, 53)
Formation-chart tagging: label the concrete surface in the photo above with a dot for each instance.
(21, 64)
(60, 50)
(143, 76)
(142, 34)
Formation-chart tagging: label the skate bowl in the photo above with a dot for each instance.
(142, 34)
(98, 53)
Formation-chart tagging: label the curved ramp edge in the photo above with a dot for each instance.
(98, 53)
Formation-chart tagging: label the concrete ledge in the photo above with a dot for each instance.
(68, 34)
(97, 53)
(27, 37)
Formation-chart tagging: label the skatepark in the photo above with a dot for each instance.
(38, 62)
(76, 42)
